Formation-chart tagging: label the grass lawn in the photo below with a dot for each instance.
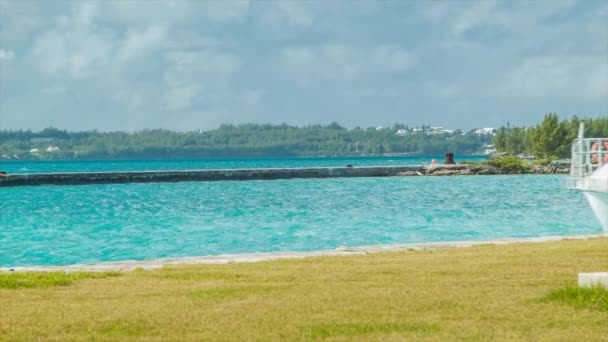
(508, 292)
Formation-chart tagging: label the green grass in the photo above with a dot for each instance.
(124, 328)
(225, 293)
(17, 280)
(508, 292)
(542, 161)
(509, 163)
(582, 297)
(334, 329)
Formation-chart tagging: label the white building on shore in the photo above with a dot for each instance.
(485, 131)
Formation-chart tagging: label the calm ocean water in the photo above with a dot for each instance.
(61, 225)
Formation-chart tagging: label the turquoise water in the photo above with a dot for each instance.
(213, 163)
(61, 225)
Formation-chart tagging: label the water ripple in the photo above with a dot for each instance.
(60, 225)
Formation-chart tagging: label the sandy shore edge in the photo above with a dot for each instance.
(129, 265)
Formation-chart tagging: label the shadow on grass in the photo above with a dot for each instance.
(335, 329)
(20, 280)
(583, 297)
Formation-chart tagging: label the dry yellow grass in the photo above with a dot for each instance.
(480, 293)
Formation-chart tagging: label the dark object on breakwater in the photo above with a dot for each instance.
(79, 178)
(3, 174)
(449, 158)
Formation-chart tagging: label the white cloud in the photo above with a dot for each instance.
(80, 45)
(328, 62)
(573, 77)
(54, 89)
(6, 55)
(177, 12)
(18, 19)
(295, 13)
(138, 42)
(444, 90)
(252, 97)
(225, 11)
(75, 47)
(280, 15)
(461, 17)
(147, 13)
(298, 56)
(208, 61)
(133, 99)
(344, 62)
(187, 56)
(84, 14)
(49, 52)
(193, 71)
(480, 13)
(75, 55)
(392, 58)
(180, 94)
(291, 17)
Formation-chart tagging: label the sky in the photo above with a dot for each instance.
(186, 65)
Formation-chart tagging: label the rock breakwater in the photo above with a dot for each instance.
(83, 178)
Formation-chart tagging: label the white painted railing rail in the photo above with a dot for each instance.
(588, 155)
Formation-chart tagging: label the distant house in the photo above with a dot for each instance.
(438, 130)
(402, 132)
(52, 149)
(34, 150)
(379, 128)
(484, 131)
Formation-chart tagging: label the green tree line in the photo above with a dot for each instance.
(238, 140)
(551, 139)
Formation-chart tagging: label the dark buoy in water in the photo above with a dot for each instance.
(449, 158)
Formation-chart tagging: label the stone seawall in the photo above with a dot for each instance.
(78, 178)
(82, 178)
(480, 169)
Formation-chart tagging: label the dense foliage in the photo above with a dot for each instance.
(551, 139)
(241, 140)
(509, 163)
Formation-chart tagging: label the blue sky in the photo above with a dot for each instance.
(183, 65)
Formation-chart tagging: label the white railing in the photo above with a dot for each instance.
(588, 155)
